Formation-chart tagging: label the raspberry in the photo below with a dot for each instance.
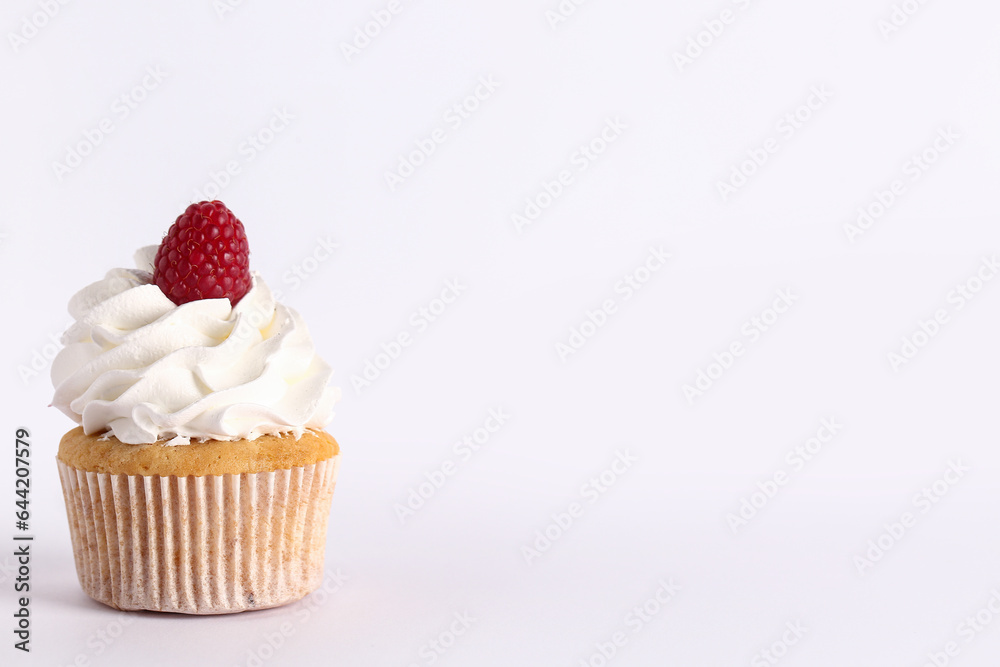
(204, 255)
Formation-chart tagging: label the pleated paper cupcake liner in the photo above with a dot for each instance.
(214, 544)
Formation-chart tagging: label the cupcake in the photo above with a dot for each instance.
(200, 476)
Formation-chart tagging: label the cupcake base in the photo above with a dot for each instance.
(211, 544)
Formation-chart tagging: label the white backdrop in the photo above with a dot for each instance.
(822, 177)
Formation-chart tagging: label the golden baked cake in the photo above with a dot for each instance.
(91, 453)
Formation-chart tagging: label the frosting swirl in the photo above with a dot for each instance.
(143, 369)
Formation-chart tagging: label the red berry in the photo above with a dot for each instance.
(204, 255)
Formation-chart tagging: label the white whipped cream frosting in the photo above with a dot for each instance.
(143, 369)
